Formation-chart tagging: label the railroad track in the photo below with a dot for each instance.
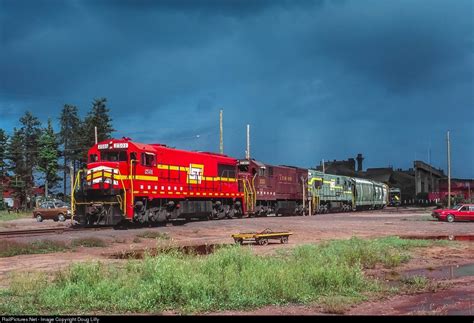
(34, 232)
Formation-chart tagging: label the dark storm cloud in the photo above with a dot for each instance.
(331, 78)
(403, 44)
(238, 8)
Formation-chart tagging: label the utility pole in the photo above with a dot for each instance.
(247, 152)
(449, 172)
(95, 132)
(431, 170)
(469, 188)
(221, 142)
(304, 195)
(310, 203)
(71, 179)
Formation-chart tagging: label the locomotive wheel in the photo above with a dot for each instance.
(221, 215)
(284, 240)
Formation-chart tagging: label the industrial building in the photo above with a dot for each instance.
(414, 183)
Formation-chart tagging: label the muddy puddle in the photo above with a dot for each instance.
(451, 302)
(444, 272)
(189, 250)
(468, 237)
(438, 273)
(454, 301)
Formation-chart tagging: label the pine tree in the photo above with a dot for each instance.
(69, 138)
(17, 165)
(3, 151)
(98, 117)
(31, 132)
(48, 156)
(3, 157)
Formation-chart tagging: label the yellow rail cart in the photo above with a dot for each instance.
(261, 238)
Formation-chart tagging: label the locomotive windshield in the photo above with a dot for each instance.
(244, 168)
(113, 156)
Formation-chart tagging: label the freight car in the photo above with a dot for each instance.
(332, 193)
(126, 180)
(270, 189)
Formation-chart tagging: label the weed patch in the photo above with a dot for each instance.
(8, 216)
(12, 248)
(229, 278)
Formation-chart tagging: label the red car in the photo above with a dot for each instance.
(461, 212)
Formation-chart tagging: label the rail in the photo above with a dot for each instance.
(33, 232)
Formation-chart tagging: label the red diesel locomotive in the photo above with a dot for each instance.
(272, 190)
(125, 180)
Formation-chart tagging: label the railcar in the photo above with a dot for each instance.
(370, 194)
(270, 189)
(332, 193)
(126, 180)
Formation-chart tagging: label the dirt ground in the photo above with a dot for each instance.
(453, 297)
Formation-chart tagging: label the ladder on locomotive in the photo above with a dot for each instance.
(250, 194)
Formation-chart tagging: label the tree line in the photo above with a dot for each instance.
(33, 149)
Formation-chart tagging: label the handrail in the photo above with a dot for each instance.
(124, 194)
(254, 190)
(131, 184)
(73, 208)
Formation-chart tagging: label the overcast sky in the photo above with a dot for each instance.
(314, 79)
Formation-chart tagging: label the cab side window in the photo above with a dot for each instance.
(93, 158)
(148, 159)
(464, 208)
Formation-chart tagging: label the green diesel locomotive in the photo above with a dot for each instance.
(336, 193)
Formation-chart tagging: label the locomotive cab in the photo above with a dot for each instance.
(101, 188)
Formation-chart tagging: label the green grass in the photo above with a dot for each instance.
(416, 282)
(230, 278)
(154, 235)
(5, 216)
(11, 248)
